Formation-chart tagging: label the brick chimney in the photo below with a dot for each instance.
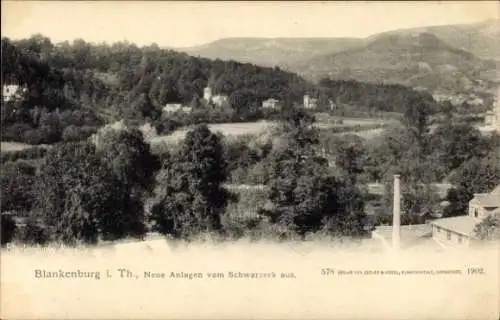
(396, 214)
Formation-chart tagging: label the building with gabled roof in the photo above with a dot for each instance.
(457, 231)
(454, 232)
(484, 204)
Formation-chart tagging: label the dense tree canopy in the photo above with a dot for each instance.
(303, 196)
(191, 197)
(84, 191)
(73, 88)
(124, 81)
(86, 194)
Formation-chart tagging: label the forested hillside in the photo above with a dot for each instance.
(350, 94)
(115, 186)
(110, 82)
(74, 88)
(414, 60)
(451, 59)
(481, 39)
(285, 52)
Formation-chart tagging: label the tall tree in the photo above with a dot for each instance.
(489, 228)
(303, 197)
(85, 193)
(417, 111)
(192, 197)
(477, 175)
(126, 155)
(455, 144)
(66, 199)
(349, 155)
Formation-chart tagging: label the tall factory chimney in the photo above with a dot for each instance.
(396, 214)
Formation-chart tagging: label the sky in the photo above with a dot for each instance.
(190, 23)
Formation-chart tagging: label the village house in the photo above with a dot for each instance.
(176, 107)
(207, 94)
(271, 104)
(310, 103)
(441, 234)
(11, 92)
(332, 105)
(492, 118)
(218, 100)
(459, 231)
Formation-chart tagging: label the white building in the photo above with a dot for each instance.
(220, 100)
(310, 103)
(207, 94)
(444, 233)
(271, 104)
(11, 92)
(332, 105)
(176, 107)
(492, 118)
(459, 231)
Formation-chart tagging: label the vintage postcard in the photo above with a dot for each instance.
(250, 160)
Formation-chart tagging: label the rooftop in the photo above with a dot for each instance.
(411, 236)
(463, 225)
(491, 199)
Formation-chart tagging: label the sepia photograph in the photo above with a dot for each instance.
(250, 160)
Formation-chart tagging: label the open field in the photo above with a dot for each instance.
(7, 146)
(366, 134)
(254, 128)
(326, 120)
(228, 129)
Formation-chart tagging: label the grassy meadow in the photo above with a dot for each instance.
(8, 146)
(374, 127)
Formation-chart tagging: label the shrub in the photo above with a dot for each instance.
(236, 227)
(33, 233)
(74, 133)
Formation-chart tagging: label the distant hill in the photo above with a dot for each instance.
(412, 59)
(284, 52)
(482, 39)
(449, 58)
